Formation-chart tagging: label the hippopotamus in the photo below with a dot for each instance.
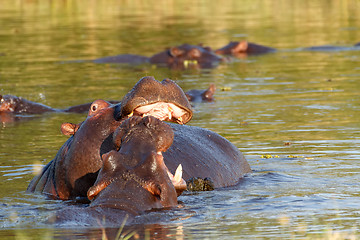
(206, 95)
(332, 48)
(132, 179)
(177, 57)
(75, 167)
(19, 105)
(244, 48)
(10, 103)
(201, 152)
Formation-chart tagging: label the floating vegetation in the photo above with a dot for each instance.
(266, 156)
(225, 88)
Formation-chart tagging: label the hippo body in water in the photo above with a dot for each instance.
(178, 57)
(332, 48)
(133, 179)
(204, 153)
(206, 95)
(244, 48)
(19, 105)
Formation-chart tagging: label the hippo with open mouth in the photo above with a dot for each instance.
(202, 153)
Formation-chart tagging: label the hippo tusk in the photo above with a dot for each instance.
(180, 121)
(178, 174)
(131, 114)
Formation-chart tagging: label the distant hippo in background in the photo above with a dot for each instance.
(133, 179)
(186, 55)
(332, 48)
(14, 104)
(19, 105)
(244, 48)
(178, 57)
(206, 95)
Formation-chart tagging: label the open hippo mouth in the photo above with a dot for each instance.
(164, 100)
(161, 110)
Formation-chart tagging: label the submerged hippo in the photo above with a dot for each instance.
(244, 48)
(19, 105)
(332, 48)
(133, 179)
(204, 153)
(206, 95)
(178, 57)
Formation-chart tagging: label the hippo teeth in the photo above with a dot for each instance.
(178, 174)
(179, 120)
(131, 114)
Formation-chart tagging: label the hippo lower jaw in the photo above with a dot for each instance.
(162, 111)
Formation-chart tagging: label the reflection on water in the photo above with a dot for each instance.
(300, 109)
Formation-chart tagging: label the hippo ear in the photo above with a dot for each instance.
(194, 53)
(175, 52)
(208, 94)
(69, 128)
(240, 47)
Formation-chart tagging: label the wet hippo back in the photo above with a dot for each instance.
(204, 153)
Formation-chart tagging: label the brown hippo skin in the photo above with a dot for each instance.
(14, 104)
(19, 105)
(178, 57)
(244, 48)
(206, 95)
(204, 153)
(133, 179)
(187, 55)
(74, 169)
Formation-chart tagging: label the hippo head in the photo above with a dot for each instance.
(164, 100)
(136, 174)
(79, 160)
(187, 55)
(8, 103)
(243, 48)
(207, 95)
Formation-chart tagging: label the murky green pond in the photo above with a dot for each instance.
(295, 114)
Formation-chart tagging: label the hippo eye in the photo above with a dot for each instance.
(94, 107)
